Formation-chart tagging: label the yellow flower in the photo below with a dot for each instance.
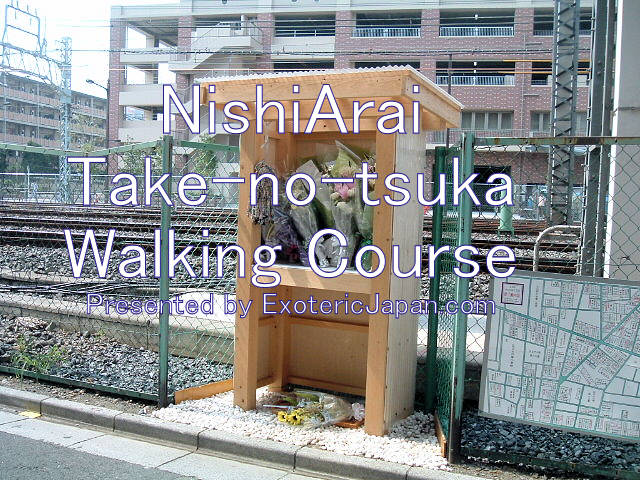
(282, 416)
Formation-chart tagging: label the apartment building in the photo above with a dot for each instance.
(31, 113)
(496, 55)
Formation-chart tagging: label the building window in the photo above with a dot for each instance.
(541, 122)
(494, 121)
(581, 123)
(483, 23)
(305, 26)
(398, 63)
(301, 66)
(380, 24)
(542, 73)
(476, 73)
(543, 21)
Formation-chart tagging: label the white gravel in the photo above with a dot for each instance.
(411, 441)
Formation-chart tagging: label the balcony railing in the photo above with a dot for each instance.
(476, 31)
(23, 139)
(583, 81)
(377, 32)
(476, 80)
(549, 33)
(29, 97)
(439, 137)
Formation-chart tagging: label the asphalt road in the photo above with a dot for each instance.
(27, 459)
(38, 449)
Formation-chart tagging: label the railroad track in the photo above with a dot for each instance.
(183, 217)
(53, 239)
(42, 225)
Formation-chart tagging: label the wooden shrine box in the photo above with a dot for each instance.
(373, 356)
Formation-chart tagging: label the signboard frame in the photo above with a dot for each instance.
(489, 323)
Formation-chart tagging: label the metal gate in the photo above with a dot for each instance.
(446, 349)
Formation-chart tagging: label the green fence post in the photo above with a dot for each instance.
(434, 286)
(465, 221)
(163, 328)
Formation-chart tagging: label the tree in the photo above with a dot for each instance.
(204, 162)
(39, 162)
(4, 163)
(133, 161)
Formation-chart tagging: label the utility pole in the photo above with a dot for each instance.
(27, 56)
(566, 29)
(603, 183)
(596, 108)
(65, 118)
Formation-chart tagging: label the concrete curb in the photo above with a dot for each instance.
(330, 463)
(21, 399)
(92, 415)
(253, 450)
(153, 428)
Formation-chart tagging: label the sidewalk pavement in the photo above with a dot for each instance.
(183, 450)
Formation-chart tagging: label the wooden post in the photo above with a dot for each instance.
(379, 323)
(246, 332)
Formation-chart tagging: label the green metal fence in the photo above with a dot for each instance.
(207, 339)
(45, 329)
(446, 350)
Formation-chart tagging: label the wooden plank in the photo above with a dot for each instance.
(203, 391)
(264, 381)
(346, 86)
(246, 331)
(336, 387)
(402, 334)
(353, 327)
(333, 296)
(375, 422)
(442, 439)
(281, 347)
(328, 354)
(434, 103)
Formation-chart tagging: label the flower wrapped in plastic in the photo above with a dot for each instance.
(307, 409)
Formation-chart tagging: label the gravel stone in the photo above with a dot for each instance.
(540, 442)
(96, 359)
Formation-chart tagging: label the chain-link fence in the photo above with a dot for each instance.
(207, 336)
(49, 331)
(70, 310)
(95, 323)
(599, 239)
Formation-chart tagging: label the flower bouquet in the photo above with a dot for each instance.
(308, 409)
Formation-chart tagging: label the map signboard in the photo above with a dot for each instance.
(564, 352)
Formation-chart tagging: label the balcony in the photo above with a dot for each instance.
(295, 48)
(146, 95)
(583, 81)
(142, 130)
(208, 41)
(88, 130)
(455, 134)
(23, 140)
(476, 31)
(549, 33)
(477, 80)
(30, 97)
(91, 111)
(145, 56)
(31, 120)
(384, 32)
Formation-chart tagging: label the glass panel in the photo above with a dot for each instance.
(466, 119)
(493, 121)
(507, 121)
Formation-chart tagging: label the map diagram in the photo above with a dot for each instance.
(564, 352)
